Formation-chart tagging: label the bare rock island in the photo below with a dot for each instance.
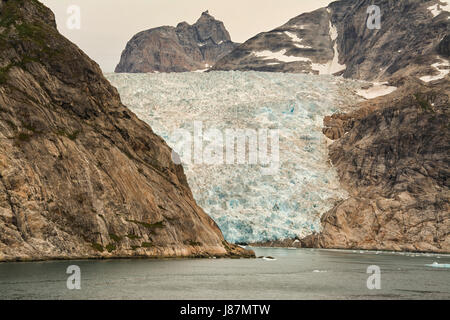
(181, 49)
(80, 175)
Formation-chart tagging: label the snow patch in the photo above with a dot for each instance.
(377, 90)
(296, 40)
(438, 265)
(333, 32)
(269, 259)
(445, 7)
(279, 55)
(333, 66)
(444, 64)
(438, 8)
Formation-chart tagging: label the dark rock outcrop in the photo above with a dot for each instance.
(444, 46)
(184, 48)
(336, 40)
(80, 175)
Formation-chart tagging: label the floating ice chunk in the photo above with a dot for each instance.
(333, 32)
(320, 271)
(434, 10)
(332, 66)
(438, 265)
(247, 206)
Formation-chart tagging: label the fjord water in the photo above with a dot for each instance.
(294, 274)
(248, 205)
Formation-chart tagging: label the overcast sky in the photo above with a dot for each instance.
(107, 25)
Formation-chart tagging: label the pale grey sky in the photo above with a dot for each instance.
(107, 25)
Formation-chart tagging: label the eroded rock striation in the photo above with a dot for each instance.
(80, 175)
(181, 49)
(337, 40)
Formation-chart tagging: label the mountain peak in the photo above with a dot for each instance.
(195, 46)
(206, 17)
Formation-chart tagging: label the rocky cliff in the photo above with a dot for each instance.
(80, 175)
(184, 48)
(412, 40)
(393, 156)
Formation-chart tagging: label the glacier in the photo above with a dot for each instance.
(248, 206)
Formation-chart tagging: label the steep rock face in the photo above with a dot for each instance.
(80, 175)
(393, 156)
(336, 40)
(184, 48)
(444, 46)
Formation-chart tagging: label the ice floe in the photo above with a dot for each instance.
(437, 9)
(438, 265)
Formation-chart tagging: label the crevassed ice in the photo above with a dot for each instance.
(247, 205)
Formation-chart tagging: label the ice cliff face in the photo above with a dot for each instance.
(184, 48)
(343, 39)
(248, 205)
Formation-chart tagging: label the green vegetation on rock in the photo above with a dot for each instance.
(98, 247)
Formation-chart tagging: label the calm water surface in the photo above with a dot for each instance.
(295, 274)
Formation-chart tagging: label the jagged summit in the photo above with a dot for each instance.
(184, 48)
